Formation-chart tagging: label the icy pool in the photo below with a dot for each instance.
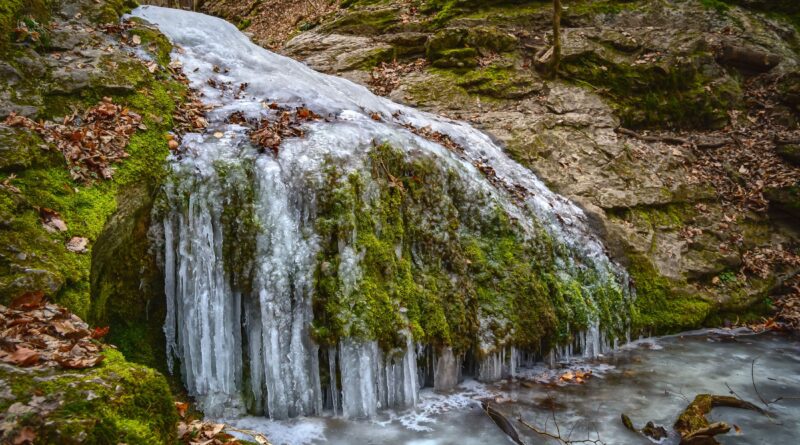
(651, 379)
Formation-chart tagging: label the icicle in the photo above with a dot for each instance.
(333, 386)
(205, 323)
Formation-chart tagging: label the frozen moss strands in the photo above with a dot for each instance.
(316, 267)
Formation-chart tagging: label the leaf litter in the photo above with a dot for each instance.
(34, 332)
(90, 143)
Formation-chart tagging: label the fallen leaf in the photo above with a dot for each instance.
(28, 300)
(78, 363)
(52, 221)
(98, 333)
(23, 357)
(25, 436)
(182, 407)
(78, 244)
(218, 134)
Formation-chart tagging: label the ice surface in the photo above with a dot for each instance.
(251, 351)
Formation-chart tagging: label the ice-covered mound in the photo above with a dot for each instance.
(301, 275)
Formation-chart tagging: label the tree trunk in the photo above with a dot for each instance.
(556, 37)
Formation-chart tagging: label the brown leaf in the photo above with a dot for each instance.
(51, 220)
(78, 363)
(23, 357)
(25, 436)
(77, 244)
(98, 333)
(182, 407)
(64, 327)
(28, 301)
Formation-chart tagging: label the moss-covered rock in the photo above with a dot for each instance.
(785, 199)
(678, 94)
(115, 282)
(431, 264)
(661, 306)
(460, 47)
(115, 402)
(366, 22)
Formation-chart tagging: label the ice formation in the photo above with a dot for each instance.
(248, 347)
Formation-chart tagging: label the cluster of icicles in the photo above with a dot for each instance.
(252, 351)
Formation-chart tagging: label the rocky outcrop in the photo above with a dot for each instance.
(673, 228)
(61, 61)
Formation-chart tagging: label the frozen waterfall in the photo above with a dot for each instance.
(242, 329)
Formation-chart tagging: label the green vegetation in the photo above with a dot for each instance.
(651, 95)
(117, 264)
(660, 306)
(13, 11)
(432, 264)
(367, 22)
(115, 402)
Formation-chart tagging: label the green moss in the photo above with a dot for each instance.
(115, 283)
(442, 11)
(115, 402)
(430, 264)
(109, 10)
(366, 22)
(499, 81)
(239, 222)
(594, 7)
(649, 95)
(717, 5)
(660, 306)
(374, 58)
(156, 40)
(12, 11)
(456, 58)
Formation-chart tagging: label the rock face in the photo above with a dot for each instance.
(676, 230)
(84, 244)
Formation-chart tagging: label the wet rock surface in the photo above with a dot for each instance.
(623, 67)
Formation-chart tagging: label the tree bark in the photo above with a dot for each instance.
(556, 37)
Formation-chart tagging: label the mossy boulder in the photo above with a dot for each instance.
(785, 200)
(108, 284)
(459, 47)
(114, 402)
(366, 22)
(677, 94)
(790, 153)
(435, 266)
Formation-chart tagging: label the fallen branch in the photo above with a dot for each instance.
(755, 388)
(502, 422)
(693, 426)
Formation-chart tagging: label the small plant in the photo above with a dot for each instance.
(727, 277)
(28, 30)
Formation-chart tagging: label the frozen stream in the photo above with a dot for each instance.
(648, 380)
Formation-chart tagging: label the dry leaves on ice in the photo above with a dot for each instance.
(575, 376)
(90, 143)
(36, 333)
(198, 432)
(270, 133)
